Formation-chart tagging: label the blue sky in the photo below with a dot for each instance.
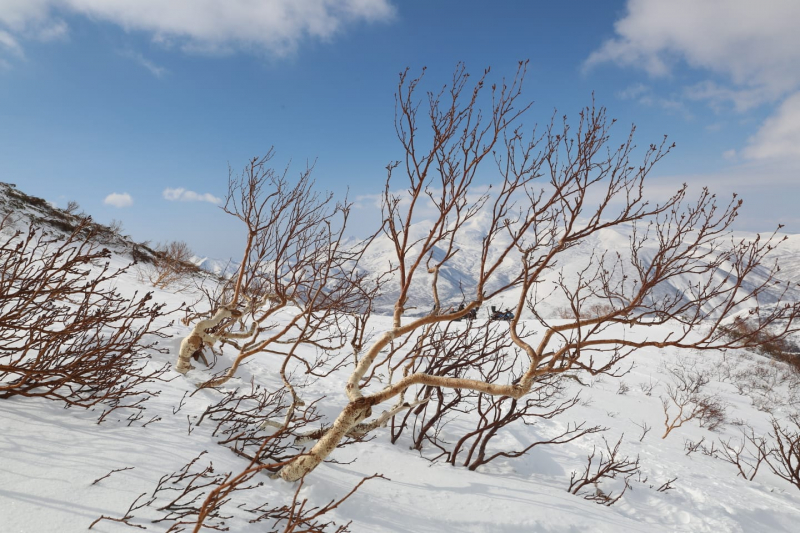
(135, 108)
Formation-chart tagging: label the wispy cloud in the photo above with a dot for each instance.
(720, 98)
(119, 199)
(51, 30)
(645, 95)
(139, 59)
(779, 135)
(182, 195)
(9, 43)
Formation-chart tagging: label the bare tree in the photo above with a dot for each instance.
(294, 258)
(72, 208)
(485, 352)
(747, 460)
(557, 189)
(195, 498)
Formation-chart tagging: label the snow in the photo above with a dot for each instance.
(50, 456)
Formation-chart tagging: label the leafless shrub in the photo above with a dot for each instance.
(769, 386)
(193, 498)
(564, 313)
(779, 450)
(711, 413)
(294, 258)
(781, 348)
(623, 388)
(113, 471)
(690, 237)
(728, 368)
(115, 226)
(177, 498)
(447, 351)
(72, 208)
(610, 465)
(645, 429)
(746, 455)
(685, 401)
(647, 387)
(588, 311)
(692, 446)
(294, 517)
(667, 485)
(259, 425)
(210, 291)
(171, 268)
(64, 333)
(783, 454)
(480, 351)
(297, 517)
(496, 413)
(128, 516)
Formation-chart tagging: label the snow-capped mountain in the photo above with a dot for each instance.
(220, 267)
(458, 278)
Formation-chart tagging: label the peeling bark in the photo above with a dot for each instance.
(198, 338)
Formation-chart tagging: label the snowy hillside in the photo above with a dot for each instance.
(52, 456)
(458, 278)
(61, 470)
(219, 267)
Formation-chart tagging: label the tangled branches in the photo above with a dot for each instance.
(260, 426)
(64, 333)
(609, 466)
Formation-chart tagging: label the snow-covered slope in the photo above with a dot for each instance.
(53, 460)
(51, 456)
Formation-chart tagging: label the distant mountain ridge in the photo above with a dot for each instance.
(224, 268)
(458, 278)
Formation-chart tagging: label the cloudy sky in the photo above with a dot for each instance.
(136, 108)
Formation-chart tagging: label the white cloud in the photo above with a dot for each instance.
(754, 44)
(750, 49)
(182, 195)
(779, 135)
(274, 26)
(119, 200)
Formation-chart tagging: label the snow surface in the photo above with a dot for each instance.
(50, 456)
